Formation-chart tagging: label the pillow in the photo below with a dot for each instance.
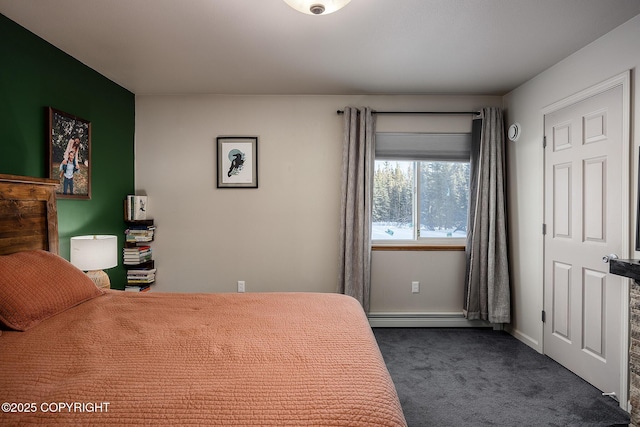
(35, 285)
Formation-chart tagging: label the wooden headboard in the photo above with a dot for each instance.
(28, 214)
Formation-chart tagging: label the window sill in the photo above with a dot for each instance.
(377, 247)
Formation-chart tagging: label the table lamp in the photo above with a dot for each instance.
(94, 254)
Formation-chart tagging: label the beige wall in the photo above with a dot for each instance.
(282, 236)
(607, 57)
(441, 277)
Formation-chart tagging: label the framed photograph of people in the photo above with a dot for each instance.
(69, 154)
(237, 161)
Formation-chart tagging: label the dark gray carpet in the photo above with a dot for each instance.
(480, 377)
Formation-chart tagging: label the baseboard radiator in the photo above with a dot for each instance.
(426, 320)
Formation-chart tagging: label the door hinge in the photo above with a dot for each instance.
(544, 229)
(544, 316)
(544, 142)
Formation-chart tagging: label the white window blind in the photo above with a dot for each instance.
(449, 147)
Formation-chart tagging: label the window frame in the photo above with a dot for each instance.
(418, 242)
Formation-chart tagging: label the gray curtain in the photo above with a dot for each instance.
(487, 292)
(354, 269)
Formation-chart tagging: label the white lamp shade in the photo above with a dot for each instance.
(309, 6)
(94, 252)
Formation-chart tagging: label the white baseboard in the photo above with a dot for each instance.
(526, 339)
(424, 320)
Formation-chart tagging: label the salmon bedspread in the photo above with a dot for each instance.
(253, 359)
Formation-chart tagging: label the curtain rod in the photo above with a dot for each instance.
(447, 113)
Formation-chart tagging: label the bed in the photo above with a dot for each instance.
(71, 353)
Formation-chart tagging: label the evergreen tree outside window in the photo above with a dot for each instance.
(421, 188)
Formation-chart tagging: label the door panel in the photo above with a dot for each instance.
(595, 199)
(593, 309)
(561, 301)
(562, 200)
(584, 178)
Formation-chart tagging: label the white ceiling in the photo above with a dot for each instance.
(370, 47)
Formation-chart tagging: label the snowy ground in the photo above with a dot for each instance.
(385, 231)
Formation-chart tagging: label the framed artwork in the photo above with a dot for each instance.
(69, 154)
(237, 162)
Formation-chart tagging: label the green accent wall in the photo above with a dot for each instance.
(35, 75)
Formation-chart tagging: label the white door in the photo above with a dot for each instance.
(586, 191)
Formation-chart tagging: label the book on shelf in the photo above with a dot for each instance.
(136, 250)
(127, 250)
(139, 282)
(137, 259)
(141, 276)
(140, 258)
(142, 230)
(141, 272)
(140, 223)
(146, 288)
(136, 208)
(139, 235)
(136, 280)
(141, 266)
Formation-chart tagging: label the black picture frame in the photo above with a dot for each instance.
(69, 135)
(237, 159)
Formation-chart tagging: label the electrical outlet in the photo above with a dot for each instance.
(415, 287)
(240, 285)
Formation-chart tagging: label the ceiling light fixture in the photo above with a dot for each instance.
(317, 7)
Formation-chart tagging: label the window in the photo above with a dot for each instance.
(421, 188)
